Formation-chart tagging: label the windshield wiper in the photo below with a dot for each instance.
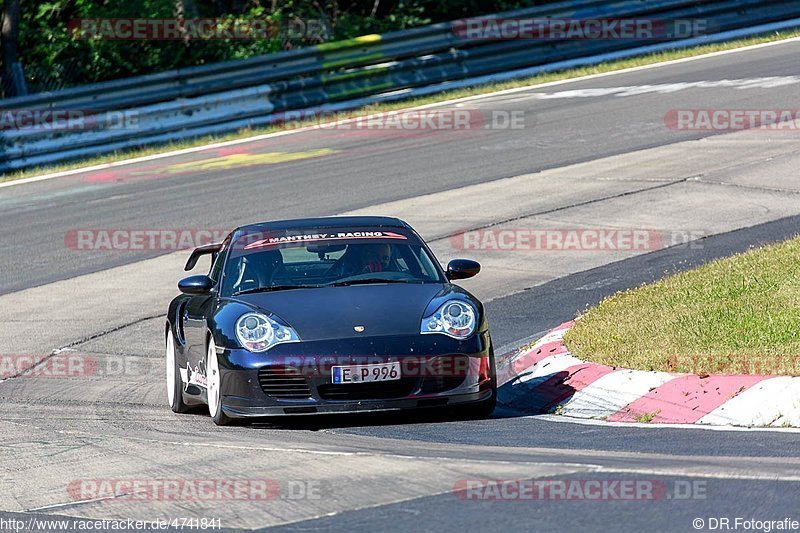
(367, 281)
(275, 288)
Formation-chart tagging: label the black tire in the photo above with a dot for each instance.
(485, 408)
(215, 404)
(221, 419)
(177, 404)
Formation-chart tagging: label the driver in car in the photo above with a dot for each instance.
(377, 258)
(363, 259)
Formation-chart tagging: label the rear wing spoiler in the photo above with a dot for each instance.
(212, 249)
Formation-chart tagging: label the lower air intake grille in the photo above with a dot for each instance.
(283, 382)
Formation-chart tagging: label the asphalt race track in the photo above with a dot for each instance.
(594, 153)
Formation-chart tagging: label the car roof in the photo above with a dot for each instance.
(328, 222)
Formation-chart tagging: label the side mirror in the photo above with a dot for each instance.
(462, 269)
(201, 284)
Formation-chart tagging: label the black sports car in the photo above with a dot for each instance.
(327, 315)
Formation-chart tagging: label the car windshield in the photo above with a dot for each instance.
(271, 261)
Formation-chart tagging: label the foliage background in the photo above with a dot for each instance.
(52, 58)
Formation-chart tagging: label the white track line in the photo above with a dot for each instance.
(702, 427)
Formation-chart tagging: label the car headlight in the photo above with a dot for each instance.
(259, 333)
(454, 318)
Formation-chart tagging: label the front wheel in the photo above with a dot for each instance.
(485, 408)
(214, 386)
(174, 383)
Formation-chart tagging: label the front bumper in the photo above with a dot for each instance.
(295, 379)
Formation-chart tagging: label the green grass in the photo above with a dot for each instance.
(646, 418)
(737, 315)
(448, 95)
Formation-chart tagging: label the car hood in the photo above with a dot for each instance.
(334, 312)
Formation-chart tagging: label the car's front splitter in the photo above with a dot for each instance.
(245, 408)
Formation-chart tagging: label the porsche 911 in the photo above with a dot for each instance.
(327, 315)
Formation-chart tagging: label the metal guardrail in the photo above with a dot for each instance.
(230, 96)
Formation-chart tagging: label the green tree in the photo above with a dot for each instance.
(54, 57)
(12, 82)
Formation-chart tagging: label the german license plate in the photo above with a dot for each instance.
(365, 373)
